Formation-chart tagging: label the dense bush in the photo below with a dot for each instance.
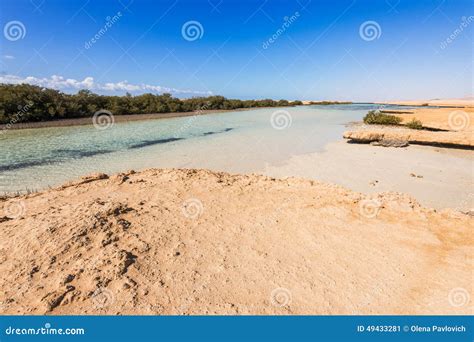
(376, 118)
(414, 124)
(23, 102)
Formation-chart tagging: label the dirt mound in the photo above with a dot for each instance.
(200, 242)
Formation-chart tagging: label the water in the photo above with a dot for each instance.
(244, 141)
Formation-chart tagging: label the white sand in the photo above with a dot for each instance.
(446, 175)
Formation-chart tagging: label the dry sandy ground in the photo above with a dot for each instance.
(450, 119)
(457, 125)
(200, 242)
(436, 177)
(461, 102)
(390, 134)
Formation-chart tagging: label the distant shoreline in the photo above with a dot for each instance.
(117, 118)
(83, 121)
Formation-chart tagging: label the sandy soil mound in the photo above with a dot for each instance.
(392, 135)
(199, 242)
(450, 119)
(457, 127)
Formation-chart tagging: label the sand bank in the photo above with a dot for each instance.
(446, 127)
(436, 177)
(376, 133)
(449, 119)
(459, 102)
(200, 242)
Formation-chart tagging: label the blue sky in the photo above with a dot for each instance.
(321, 53)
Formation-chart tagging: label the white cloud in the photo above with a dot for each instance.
(124, 85)
(61, 83)
(8, 57)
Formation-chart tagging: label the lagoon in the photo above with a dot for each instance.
(238, 142)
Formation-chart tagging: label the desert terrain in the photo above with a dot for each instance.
(450, 127)
(200, 242)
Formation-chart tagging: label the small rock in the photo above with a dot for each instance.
(34, 270)
(5, 219)
(127, 260)
(124, 224)
(69, 278)
(390, 143)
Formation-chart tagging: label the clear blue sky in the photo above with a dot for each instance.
(319, 55)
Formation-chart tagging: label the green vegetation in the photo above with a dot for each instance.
(326, 103)
(414, 124)
(376, 118)
(23, 103)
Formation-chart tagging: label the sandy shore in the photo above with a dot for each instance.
(389, 134)
(200, 242)
(436, 177)
(449, 119)
(459, 102)
(446, 127)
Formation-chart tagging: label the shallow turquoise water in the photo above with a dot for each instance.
(242, 141)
